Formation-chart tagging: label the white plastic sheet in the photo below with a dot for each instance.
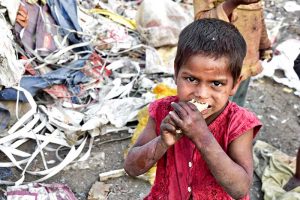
(11, 6)
(11, 70)
(291, 6)
(289, 51)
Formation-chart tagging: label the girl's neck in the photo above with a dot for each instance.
(211, 118)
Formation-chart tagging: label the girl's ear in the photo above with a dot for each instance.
(236, 86)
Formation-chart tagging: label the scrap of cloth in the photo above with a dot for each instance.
(4, 117)
(275, 168)
(39, 35)
(65, 14)
(71, 78)
(48, 25)
(38, 191)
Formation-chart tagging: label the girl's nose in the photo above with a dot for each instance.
(201, 92)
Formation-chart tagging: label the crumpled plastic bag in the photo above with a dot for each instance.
(160, 21)
(116, 111)
(288, 52)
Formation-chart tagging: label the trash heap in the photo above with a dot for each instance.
(85, 68)
(79, 70)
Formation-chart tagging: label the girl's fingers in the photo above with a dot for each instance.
(179, 109)
(192, 106)
(168, 127)
(185, 106)
(184, 109)
(174, 116)
(170, 121)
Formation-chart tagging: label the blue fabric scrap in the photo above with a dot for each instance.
(65, 15)
(5, 173)
(4, 118)
(71, 78)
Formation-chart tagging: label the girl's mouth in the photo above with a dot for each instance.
(201, 106)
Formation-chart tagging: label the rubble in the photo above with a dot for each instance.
(84, 72)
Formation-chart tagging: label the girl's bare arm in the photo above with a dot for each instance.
(233, 171)
(147, 150)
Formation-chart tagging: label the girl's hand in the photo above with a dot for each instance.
(168, 132)
(187, 117)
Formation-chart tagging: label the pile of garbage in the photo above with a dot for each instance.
(78, 70)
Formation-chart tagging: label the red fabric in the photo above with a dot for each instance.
(174, 176)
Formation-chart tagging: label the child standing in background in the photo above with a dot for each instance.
(248, 17)
(207, 154)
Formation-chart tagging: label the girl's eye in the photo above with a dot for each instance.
(217, 83)
(191, 80)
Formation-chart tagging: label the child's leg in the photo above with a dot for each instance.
(295, 180)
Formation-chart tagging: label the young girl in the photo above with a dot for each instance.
(208, 154)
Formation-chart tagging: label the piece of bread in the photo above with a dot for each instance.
(200, 106)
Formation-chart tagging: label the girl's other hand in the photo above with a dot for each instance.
(187, 117)
(168, 132)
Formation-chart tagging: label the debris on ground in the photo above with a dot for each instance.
(99, 191)
(38, 191)
(275, 168)
(112, 174)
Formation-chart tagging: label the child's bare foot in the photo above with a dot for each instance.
(291, 184)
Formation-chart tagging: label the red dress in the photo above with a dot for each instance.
(181, 172)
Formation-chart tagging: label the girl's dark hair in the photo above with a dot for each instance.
(214, 38)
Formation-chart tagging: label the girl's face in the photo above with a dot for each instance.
(207, 80)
